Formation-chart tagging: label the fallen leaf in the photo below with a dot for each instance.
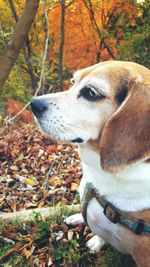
(28, 252)
(74, 186)
(59, 235)
(41, 152)
(14, 168)
(70, 235)
(55, 181)
(41, 204)
(30, 181)
(50, 262)
(19, 158)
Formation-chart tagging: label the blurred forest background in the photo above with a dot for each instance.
(42, 42)
(68, 35)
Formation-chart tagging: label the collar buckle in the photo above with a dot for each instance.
(111, 213)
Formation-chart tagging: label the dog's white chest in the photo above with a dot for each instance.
(102, 227)
(128, 189)
(123, 190)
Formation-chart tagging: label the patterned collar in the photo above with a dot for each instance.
(138, 226)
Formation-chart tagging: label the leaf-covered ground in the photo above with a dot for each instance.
(37, 172)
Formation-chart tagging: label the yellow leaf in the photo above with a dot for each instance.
(41, 204)
(28, 252)
(35, 197)
(49, 158)
(74, 186)
(30, 181)
(19, 158)
(55, 180)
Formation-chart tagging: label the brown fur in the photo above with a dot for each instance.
(137, 245)
(126, 136)
(125, 139)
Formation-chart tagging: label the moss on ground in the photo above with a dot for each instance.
(112, 258)
(48, 243)
(16, 261)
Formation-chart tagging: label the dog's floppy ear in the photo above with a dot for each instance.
(126, 136)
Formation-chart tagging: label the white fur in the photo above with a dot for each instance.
(74, 219)
(95, 244)
(73, 121)
(123, 189)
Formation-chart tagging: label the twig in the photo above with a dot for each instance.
(2, 35)
(18, 247)
(48, 175)
(45, 50)
(6, 240)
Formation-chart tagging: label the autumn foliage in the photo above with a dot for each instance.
(80, 33)
(12, 107)
(35, 171)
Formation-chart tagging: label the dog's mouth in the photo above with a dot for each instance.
(57, 134)
(77, 140)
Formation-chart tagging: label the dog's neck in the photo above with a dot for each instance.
(128, 189)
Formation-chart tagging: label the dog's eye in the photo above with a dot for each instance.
(91, 94)
(72, 80)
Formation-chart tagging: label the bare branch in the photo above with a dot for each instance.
(61, 46)
(94, 22)
(45, 50)
(69, 4)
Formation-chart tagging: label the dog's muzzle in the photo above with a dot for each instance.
(38, 106)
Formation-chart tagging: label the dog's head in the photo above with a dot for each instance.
(109, 102)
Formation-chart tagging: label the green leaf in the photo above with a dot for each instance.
(19, 158)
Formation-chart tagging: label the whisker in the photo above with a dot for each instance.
(67, 123)
(75, 126)
(65, 131)
(61, 136)
(68, 133)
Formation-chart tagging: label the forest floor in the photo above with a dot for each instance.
(37, 172)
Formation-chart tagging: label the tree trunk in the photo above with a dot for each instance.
(61, 47)
(19, 36)
(26, 51)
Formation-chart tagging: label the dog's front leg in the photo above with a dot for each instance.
(95, 243)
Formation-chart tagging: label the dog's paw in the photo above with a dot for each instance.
(74, 219)
(95, 244)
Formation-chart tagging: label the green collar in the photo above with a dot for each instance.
(138, 226)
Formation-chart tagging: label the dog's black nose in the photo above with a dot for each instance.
(38, 106)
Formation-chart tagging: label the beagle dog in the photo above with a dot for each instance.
(106, 113)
